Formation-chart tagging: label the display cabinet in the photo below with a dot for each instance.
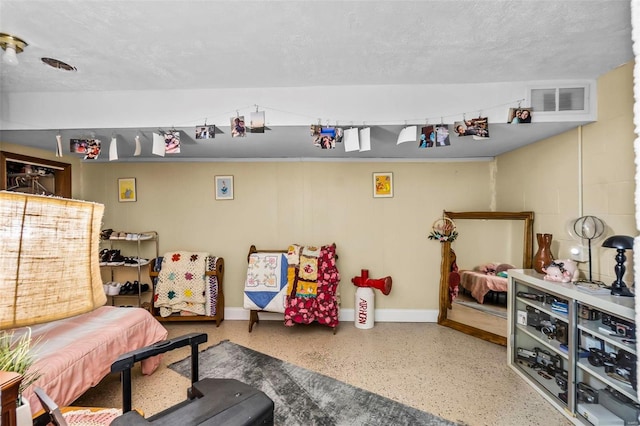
(575, 347)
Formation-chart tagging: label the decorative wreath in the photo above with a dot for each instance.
(443, 229)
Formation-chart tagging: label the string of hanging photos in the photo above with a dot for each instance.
(353, 138)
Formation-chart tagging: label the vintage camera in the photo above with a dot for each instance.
(624, 368)
(622, 328)
(562, 380)
(549, 362)
(562, 332)
(531, 296)
(527, 357)
(587, 394)
(536, 318)
(587, 313)
(599, 358)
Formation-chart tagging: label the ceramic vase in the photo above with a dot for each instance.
(543, 256)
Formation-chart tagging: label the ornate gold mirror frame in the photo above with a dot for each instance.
(445, 268)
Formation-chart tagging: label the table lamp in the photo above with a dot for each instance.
(620, 243)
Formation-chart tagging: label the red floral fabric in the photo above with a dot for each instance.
(324, 307)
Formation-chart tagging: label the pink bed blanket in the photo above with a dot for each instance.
(479, 284)
(75, 354)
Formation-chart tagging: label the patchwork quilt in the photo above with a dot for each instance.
(265, 288)
(181, 284)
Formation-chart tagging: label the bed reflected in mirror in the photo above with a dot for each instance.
(473, 282)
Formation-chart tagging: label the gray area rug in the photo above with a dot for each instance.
(302, 397)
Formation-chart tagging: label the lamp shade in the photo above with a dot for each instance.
(621, 242)
(49, 261)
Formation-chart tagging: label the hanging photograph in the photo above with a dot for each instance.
(78, 146)
(257, 122)
(224, 187)
(172, 142)
(238, 128)
(205, 132)
(93, 149)
(383, 185)
(477, 127)
(427, 137)
(127, 190)
(326, 139)
(339, 134)
(519, 115)
(442, 135)
(314, 129)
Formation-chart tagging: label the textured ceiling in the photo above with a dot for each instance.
(174, 45)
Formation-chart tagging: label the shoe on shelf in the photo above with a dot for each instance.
(115, 258)
(144, 288)
(145, 236)
(105, 234)
(114, 288)
(126, 288)
(104, 256)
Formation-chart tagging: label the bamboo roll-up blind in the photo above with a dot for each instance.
(49, 261)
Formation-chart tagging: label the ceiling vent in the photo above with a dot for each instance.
(563, 102)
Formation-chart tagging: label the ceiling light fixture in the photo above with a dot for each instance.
(11, 45)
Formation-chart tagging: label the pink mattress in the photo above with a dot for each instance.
(75, 354)
(479, 284)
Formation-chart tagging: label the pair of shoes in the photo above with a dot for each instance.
(118, 236)
(112, 288)
(135, 261)
(105, 234)
(115, 258)
(127, 288)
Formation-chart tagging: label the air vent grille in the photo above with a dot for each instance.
(558, 99)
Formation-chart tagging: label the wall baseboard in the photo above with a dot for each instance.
(381, 315)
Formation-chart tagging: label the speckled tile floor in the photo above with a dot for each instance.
(424, 365)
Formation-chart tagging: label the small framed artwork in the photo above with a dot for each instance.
(383, 185)
(224, 187)
(127, 190)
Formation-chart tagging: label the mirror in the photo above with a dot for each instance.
(31, 175)
(473, 298)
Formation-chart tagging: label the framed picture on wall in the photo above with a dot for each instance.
(383, 185)
(224, 187)
(127, 190)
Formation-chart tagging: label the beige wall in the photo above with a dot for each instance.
(545, 176)
(278, 203)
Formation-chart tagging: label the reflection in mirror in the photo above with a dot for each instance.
(473, 283)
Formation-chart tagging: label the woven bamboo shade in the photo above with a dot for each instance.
(49, 261)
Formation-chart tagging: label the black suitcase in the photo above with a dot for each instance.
(209, 401)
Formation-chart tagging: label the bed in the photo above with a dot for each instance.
(483, 282)
(76, 353)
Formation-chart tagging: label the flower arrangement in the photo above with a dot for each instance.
(443, 230)
(16, 356)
